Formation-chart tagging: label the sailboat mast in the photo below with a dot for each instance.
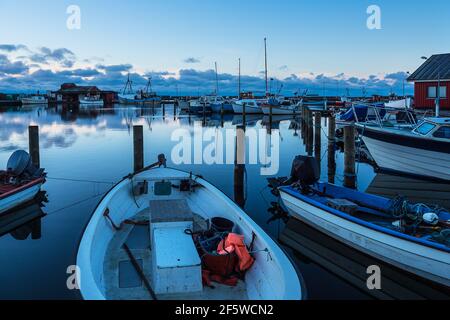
(265, 63)
(239, 81)
(217, 80)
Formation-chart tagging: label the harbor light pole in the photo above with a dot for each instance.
(404, 79)
(438, 91)
(217, 80)
(239, 80)
(265, 63)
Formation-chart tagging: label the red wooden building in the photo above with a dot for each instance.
(435, 70)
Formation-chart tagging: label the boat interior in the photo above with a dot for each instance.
(122, 280)
(157, 233)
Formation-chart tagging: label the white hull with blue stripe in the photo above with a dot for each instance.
(430, 260)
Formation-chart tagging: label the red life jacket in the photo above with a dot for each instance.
(235, 243)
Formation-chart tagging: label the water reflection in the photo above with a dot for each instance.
(24, 222)
(416, 190)
(89, 144)
(351, 265)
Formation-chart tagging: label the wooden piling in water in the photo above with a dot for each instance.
(318, 137)
(243, 115)
(332, 129)
(331, 149)
(349, 157)
(138, 147)
(33, 141)
(239, 167)
(309, 133)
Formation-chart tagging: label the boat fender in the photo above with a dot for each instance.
(431, 218)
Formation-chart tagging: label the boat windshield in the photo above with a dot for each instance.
(425, 128)
(442, 132)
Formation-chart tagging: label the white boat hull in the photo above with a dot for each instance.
(280, 110)
(29, 101)
(410, 160)
(91, 102)
(272, 275)
(238, 108)
(19, 198)
(424, 261)
(399, 104)
(131, 101)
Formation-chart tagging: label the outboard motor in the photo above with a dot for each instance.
(20, 166)
(305, 171)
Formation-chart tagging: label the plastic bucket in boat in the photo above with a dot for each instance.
(222, 225)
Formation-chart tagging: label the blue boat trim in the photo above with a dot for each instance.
(291, 191)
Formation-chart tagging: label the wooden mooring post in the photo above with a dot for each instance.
(331, 149)
(33, 141)
(318, 137)
(239, 167)
(309, 133)
(349, 157)
(244, 115)
(332, 129)
(138, 147)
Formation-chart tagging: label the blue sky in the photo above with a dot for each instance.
(311, 44)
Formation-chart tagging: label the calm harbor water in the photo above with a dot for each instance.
(85, 151)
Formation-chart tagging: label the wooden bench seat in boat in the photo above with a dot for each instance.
(170, 213)
(176, 263)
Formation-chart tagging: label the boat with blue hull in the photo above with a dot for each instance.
(412, 236)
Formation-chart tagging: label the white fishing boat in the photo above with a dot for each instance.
(154, 234)
(20, 182)
(399, 104)
(282, 108)
(36, 99)
(251, 106)
(413, 237)
(91, 100)
(141, 97)
(422, 151)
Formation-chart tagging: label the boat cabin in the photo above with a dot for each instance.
(434, 127)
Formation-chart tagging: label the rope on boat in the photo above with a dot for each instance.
(80, 180)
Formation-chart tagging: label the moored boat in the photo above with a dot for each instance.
(141, 97)
(91, 100)
(202, 104)
(422, 151)
(250, 106)
(413, 237)
(284, 107)
(168, 227)
(36, 99)
(20, 182)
